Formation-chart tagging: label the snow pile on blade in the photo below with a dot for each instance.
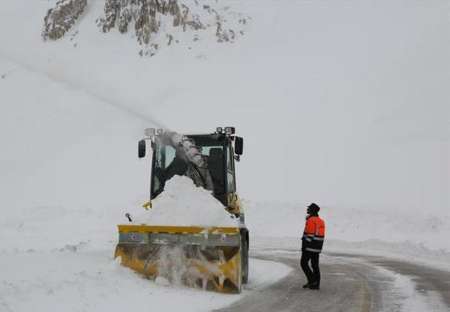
(184, 204)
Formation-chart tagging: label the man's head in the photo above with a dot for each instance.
(313, 209)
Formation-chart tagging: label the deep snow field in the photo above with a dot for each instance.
(341, 103)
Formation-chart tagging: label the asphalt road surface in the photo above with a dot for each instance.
(352, 283)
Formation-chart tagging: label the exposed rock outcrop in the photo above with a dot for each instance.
(62, 17)
(144, 14)
(148, 17)
(154, 23)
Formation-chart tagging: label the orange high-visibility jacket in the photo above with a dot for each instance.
(313, 235)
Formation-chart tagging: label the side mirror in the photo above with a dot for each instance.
(141, 149)
(238, 145)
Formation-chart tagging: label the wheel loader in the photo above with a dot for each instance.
(213, 258)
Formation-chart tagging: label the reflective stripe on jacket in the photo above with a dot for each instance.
(313, 235)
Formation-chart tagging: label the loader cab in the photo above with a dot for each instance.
(218, 151)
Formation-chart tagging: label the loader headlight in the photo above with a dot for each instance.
(219, 130)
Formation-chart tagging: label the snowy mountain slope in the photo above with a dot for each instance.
(55, 136)
(68, 187)
(345, 104)
(348, 98)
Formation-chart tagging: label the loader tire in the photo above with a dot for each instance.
(244, 258)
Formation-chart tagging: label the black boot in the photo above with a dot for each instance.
(314, 286)
(306, 285)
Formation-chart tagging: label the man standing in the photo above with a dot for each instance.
(312, 243)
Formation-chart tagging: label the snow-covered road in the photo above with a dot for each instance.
(352, 283)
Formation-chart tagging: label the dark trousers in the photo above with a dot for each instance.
(313, 276)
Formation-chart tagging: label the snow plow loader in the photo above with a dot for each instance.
(213, 258)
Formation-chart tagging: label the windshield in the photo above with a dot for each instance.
(170, 161)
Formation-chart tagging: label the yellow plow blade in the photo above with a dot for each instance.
(207, 258)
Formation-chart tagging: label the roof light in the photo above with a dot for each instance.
(150, 132)
(229, 130)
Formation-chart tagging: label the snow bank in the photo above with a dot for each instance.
(402, 294)
(183, 203)
(278, 219)
(395, 234)
(263, 273)
(92, 281)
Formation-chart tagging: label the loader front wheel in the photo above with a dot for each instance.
(244, 258)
